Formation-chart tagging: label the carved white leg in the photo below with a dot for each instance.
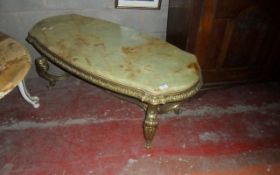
(34, 100)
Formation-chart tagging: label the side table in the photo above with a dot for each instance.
(15, 62)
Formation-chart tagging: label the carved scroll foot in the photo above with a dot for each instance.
(25, 94)
(42, 68)
(150, 125)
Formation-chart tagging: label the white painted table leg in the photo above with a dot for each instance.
(34, 100)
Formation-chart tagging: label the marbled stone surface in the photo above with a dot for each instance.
(117, 54)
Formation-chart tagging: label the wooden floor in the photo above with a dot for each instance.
(80, 129)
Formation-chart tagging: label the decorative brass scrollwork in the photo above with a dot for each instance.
(42, 68)
(150, 124)
(175, 107)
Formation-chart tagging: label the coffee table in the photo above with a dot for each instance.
(151, 72)
(15, 63)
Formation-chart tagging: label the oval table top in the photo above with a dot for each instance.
(15, 63)
(117, 58)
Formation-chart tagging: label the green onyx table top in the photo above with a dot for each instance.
(117, 58)
(15, 63)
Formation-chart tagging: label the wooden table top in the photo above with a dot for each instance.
(116, 57)
(15, 62)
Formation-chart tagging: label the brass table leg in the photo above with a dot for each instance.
(42, 68)
(150, 124)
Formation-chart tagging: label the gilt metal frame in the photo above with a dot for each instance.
(117, 5)
(152, 104)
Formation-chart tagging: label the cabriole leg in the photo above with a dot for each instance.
(150, 124)
(42, 68)
(25, 94)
